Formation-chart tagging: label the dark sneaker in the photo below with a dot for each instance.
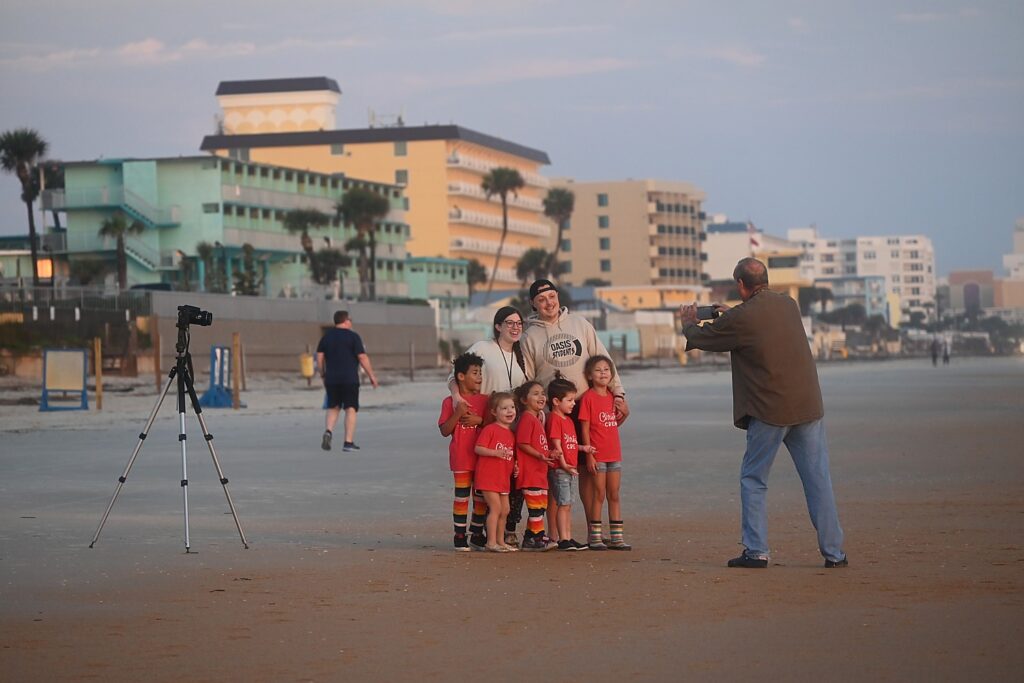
(837, 564)
(535, 545)
(477, 542)
(618, 545)
(566, 545)
(748, 562)
(348, 447)
(325, 443)
(599, 545)
(460, 543)
(577, 545)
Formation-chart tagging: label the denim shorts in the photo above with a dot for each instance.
(609, 466)
(564, 487)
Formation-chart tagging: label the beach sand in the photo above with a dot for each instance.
(350, 574)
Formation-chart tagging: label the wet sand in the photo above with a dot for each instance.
(350, 574)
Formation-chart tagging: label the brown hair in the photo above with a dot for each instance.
(588, 367)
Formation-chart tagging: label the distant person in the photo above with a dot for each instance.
(504, 369)
(777, 399)
(496, 466)
(462, 423)
(945, 351)
(339, 355)
(599, 433)
(936, 345)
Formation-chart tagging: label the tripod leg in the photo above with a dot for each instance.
(213, 454)
(184, 459)
(135, 453)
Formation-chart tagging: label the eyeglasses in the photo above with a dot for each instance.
(513, 323)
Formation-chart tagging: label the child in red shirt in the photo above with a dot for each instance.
(534, 463)
(496, 466)
(599, 428)
(462, 424)
(564, 477)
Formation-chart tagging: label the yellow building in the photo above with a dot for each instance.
(652, 297)
(440, 167)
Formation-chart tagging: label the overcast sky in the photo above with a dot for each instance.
(863, 118)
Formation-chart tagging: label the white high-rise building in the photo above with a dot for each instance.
(907, 262)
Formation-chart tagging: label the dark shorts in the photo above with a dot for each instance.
(342, 396)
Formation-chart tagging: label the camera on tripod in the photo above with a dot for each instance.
(193, 315)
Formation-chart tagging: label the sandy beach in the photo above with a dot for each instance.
(350, 574)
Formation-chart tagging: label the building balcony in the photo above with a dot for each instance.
(482, 167)
(111, 196)
(475, 191)
(275, 199)
(485, 247)
(456, 215)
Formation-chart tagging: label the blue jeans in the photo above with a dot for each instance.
(808, 448)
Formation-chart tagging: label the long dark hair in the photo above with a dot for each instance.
(499, 318)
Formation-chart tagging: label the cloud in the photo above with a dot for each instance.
(935, 17)
(736, 55)
(530, 70)
(798, 24)
(519, 32)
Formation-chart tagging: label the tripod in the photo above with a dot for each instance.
(183, 373)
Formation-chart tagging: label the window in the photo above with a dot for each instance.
(895, 253)
(602, 199)
(603, 222)
(405, 203)
(783, 261)
(213, 207)
(827, 258)
(851, 256)
(337, 150)
(566, 245)
(869, 256)
(401, 177)
(565, 266)
(241, 154)
(604, 243)
(606, 265)
(400, 149)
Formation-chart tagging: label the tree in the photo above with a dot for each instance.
(247, 281)
(215, 278)
(476, 274)
(118, 227)
(558, 206)
(501, 181)
(87, 271)
(329, 262)
(301, 221)
(362, 208)
(532, 264)
(20, 149)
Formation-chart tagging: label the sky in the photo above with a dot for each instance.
(859, 117)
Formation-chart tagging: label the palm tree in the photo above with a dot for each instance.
(301, 221)
(117, 226)
(362, 208)
(476, 274)
(534, 263)
(20, 149)
(501, 181)
(558, 206)
(247, 281)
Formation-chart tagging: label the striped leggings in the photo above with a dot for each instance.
(536, 507)
(460, 508)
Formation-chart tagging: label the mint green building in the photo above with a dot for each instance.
(184, 201)
(438, 278)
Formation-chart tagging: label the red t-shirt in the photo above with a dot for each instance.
(562, 428)
(533, 472)
(599, 411)
(461, 457)
(494, 474)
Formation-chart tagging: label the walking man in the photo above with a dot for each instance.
(777, 399)
(339, 355)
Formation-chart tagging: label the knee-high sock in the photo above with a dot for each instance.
(515, 508)
(536, 505)
(460, 507)
(615, 530)
(594, 532)
(476, 525)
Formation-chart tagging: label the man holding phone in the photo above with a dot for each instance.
(777, 400)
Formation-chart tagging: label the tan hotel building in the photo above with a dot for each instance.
(634, 232)
(290, 122)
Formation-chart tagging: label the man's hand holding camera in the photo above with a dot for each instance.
(693, 313)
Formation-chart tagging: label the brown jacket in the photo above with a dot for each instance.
(773, 375)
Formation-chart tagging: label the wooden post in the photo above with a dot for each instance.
(236, 370)
(241, 357)
(309, 380)
(97, 367)
(412, 360)
(158, 375)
